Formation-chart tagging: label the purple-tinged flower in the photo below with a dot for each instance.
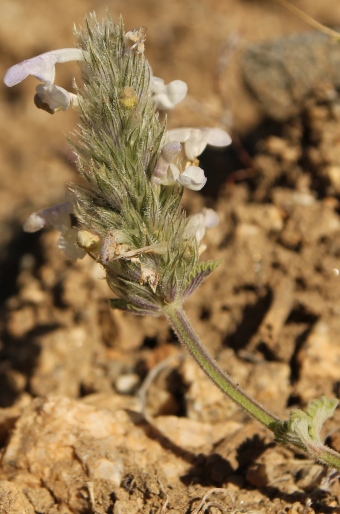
(196, 139)
(60, 218)
(167, 96)
(167, 171)
(49, 97)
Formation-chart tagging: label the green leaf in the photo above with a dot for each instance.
(303, 428)
(197, 275)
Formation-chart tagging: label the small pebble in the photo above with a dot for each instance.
(126, 384)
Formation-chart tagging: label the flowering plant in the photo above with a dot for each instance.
(127, 215)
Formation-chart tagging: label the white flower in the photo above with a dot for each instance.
(167, 96)
(59, 217)
(198, 223)
(49, 97)
(193, 178)
(167, 172)
(196, 139)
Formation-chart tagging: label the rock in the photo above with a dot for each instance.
(13, 500)
(318, 361)
(63, 361)
(41, 499)
(309, 224)
(282, 73)
(64, 444)
(127, 383)
(266, 216)
(186, 433)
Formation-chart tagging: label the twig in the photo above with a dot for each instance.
(91, 493)
(309, 19)
(164, 506)
(203, 506)
(151, 376)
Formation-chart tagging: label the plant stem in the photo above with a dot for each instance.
(327, 456)
(189, 338)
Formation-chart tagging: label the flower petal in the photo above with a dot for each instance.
(171, 150)
(196, 144)
(156, 84)
(52, 98)
(217, 137)
(34, 222)
(160, 171)
(196, 139)
(59, 216)
(173, 174)
(211, 218)
(165, 171)
(198, 223)
(168, 96)
(179, 134)
(67, 242)
(193, 139)
(42, 66)
(193, 178)
(195, 227)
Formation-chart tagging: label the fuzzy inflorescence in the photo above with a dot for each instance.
(127, 214)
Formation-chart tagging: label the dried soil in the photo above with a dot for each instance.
(103, 412)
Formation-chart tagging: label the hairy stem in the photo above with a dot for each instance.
(327, 456)
(189, 338)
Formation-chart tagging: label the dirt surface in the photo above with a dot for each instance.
(103, 412)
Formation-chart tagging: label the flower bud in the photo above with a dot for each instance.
(128, 98)
(88, 240)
